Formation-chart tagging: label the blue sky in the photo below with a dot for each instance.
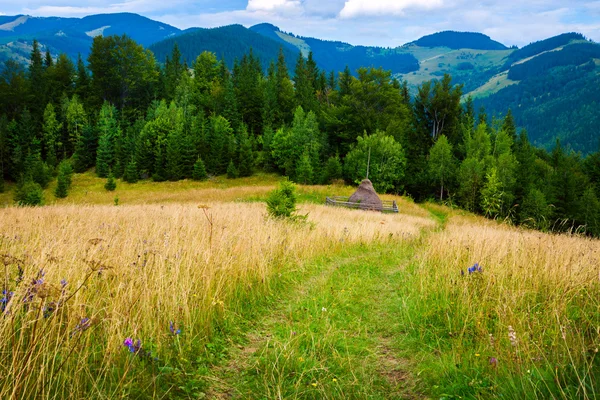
(368, 22)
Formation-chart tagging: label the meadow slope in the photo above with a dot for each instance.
(228, 303)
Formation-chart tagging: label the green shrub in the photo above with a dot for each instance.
(281, 202)
(29, 193)
(333, 170)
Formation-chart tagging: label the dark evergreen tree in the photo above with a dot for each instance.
(111, 183)
(132, 174)
(232, 171)
(333, 170)
(199, 171)
(245, 154)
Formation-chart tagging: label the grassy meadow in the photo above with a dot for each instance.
(189, 290)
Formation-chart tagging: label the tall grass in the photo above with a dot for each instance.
(526, 326)
(80, 280)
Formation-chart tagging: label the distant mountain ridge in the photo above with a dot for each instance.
(459, 40)
(75, 35)
(335, 55)
(228, 43)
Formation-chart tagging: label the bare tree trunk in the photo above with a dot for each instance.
(442, 192)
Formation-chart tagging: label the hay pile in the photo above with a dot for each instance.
(366, 196)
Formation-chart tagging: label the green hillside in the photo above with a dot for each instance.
(228, 42)
(336, 56)
(460, 40)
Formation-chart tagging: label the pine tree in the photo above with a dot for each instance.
(305, 92)
(48, 61)
(333, 169)
(304, 170)
(491, 195)
(245, 154)
(108, 130)
(29, 193)
(62, 185)
(36, 80)
(51, 138)
(175, 167)
(111, 183)
(85, 150)
(132, 174)
(232, 171)
(199, 171)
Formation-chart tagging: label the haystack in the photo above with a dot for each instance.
(366, 196)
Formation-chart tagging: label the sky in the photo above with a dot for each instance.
(360, 22)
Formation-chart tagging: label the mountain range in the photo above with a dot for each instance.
(550, 85)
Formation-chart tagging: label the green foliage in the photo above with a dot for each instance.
(199, 171)
(131, 174)
(111, 183)
(62, 186)
(441, 163)
(535, 212)
(281, 202)
(387, 165)
(304, 171)
(245, 154)
(63, 180)
(491, 195)
(289, 144)
(29, 193)
(109, 131)
(589, 211)
(51, 139)
(232, 171)
(333, 169)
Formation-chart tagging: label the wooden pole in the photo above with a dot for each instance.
(369, 163)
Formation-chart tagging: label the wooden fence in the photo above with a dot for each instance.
(389, 206)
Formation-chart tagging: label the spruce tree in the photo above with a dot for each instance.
(333, 169)
(108, 131)
(62, 186)
(51, 136)
(304, 170)
(85, 150)
(245, 154)
(199, 173)
(232, 171)
(132, 174)
(111, 183)
(29, 193)
(175, 167)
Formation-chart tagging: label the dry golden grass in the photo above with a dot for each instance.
(133, 269)
(543, 288)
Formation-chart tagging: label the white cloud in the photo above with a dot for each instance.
(275, 6)
(356, 8)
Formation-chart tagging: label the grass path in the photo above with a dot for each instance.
(335, 334)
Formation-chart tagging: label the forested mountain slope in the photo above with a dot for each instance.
(335, 56)
(75, 35)
(228, 42)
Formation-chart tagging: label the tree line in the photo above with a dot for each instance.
(128, 117)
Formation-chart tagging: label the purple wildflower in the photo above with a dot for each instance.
(475, 268)
(133, 347)
(173, 329)
(63, 283)
(6, 296)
